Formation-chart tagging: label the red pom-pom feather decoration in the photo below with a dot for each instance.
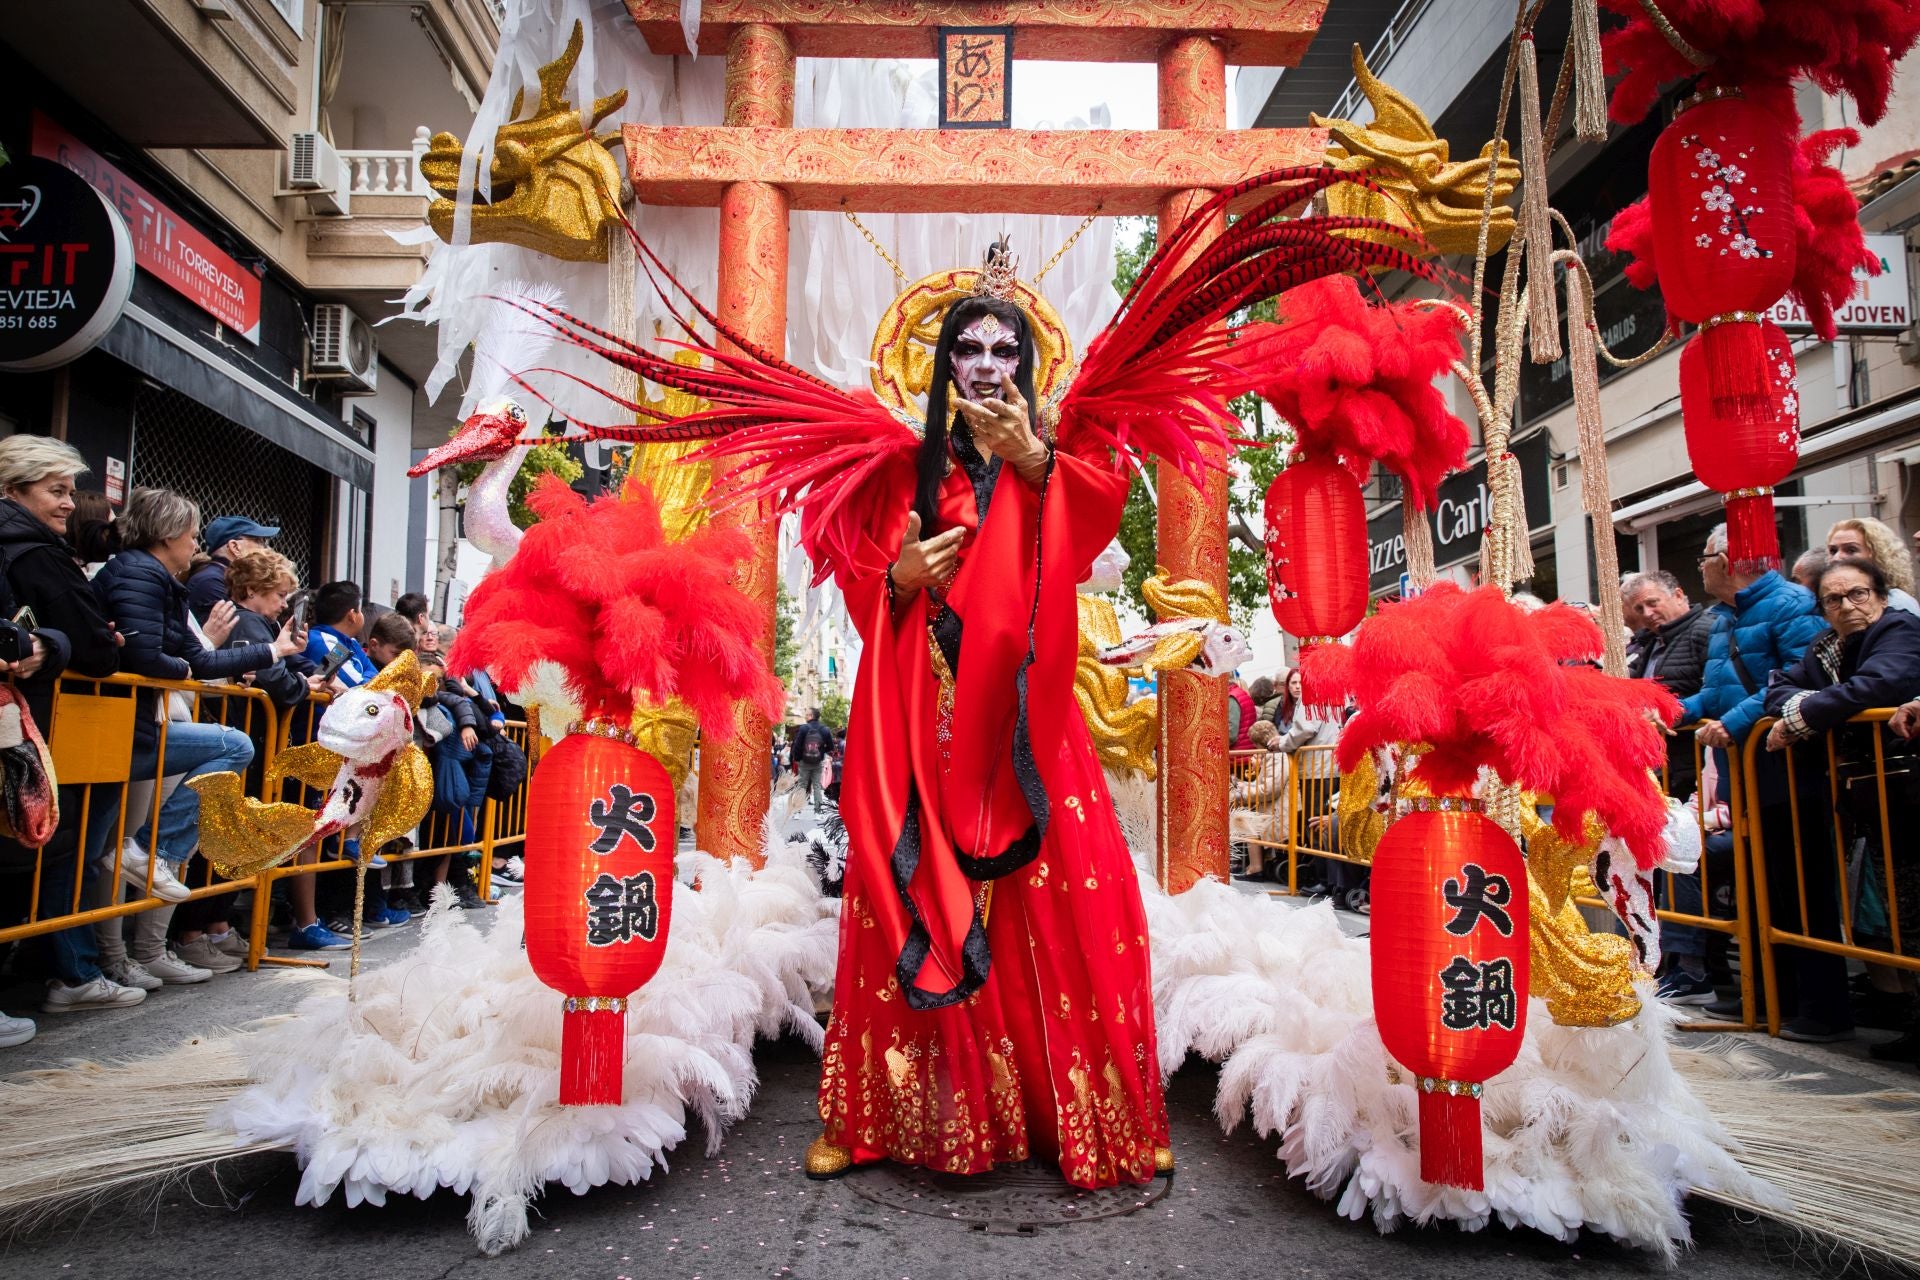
(1844, 46)
(1356, 380)
(1486, 683)
(628, 615)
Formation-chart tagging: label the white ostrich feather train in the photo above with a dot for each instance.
(1589, 1128)
(445, 1071)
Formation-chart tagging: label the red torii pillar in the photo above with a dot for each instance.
(736, 785)
(1192, 541)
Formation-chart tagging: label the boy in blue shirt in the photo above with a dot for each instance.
(337, 619)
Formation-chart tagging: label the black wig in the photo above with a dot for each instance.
(933, 446)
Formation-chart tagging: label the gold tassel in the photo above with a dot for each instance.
(1595, 488)
(1418, 534)
(1520, 549)
(1589, 77)
(1543, 321)
(622, 317)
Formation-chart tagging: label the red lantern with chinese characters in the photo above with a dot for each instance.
(1450, 972)
(1744, 454)
(601, 839)
(1316, 524)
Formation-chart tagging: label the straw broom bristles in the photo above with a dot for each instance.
(1848, 1164)
(78, 1133)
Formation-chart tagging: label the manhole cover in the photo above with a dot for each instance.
(1015, 1199)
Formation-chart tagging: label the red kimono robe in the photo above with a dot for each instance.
(993, 998)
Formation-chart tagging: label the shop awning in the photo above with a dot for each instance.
(1862, 431)
(157, 349)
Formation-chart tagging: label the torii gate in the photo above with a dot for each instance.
(756, 167)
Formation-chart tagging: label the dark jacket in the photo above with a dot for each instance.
(1677, 652)
(41, 574)
(207, 587)
(149, 605)
(281, 681)
(808, 731)
(1771, 622)
(1839, 678)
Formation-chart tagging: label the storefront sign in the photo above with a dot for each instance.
(1459, 518)
(66, 266)
(1880, 304)
(163, 242)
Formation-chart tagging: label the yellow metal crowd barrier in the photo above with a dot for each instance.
(1834, 887)
(91, 740)
(1842, 895)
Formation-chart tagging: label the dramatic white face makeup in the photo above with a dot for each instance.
(983, 353)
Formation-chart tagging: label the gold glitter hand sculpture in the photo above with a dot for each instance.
(377, 781)
(1400, 151)
(555, 187)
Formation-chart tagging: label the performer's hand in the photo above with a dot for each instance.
(1004, 427)
(925, 564)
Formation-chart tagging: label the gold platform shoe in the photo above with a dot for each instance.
(1162, 1162)
(825, 1162)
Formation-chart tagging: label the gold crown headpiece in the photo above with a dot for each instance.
(1000, 273)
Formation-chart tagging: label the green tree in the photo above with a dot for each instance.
(542, 459)
(1253, 468)
(783, 646)
(833, 709)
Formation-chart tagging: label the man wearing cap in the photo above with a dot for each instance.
(226, 537)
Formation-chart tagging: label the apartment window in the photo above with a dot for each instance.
(291, 10)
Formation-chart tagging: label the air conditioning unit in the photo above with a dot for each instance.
(317, 171)
(344, 349)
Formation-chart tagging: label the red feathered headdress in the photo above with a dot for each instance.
(1761, 46)
(1829, 245)
(629, 616)
(1486, 683)
(1356, 382)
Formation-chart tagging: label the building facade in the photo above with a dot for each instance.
(1859, 395)
(261, 154)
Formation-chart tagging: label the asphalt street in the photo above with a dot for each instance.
(748, 1212)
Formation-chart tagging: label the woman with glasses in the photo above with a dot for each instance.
(1870, 658)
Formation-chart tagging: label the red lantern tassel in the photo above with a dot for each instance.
(593, 1052)
(1739, 379)
(1753, 538)
(1450, 1139)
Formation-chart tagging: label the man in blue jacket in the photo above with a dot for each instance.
(1762, 624)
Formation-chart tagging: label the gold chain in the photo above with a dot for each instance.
(1078, 231)
(901, 275)
(1679, 42)
(885, 257)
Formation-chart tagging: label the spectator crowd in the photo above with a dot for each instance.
(1803, 652)
(155, 591)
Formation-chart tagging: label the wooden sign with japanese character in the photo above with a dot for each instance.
(976, 77)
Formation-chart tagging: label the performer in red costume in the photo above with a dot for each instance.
(993, 999)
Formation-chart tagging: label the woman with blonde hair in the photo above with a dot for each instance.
(1864, 538)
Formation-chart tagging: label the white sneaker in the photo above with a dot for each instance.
(202, 954)
(15, 1031)
(174, 971)
(133, 869)
(131, 973)
(232, 942)
(101, 993)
